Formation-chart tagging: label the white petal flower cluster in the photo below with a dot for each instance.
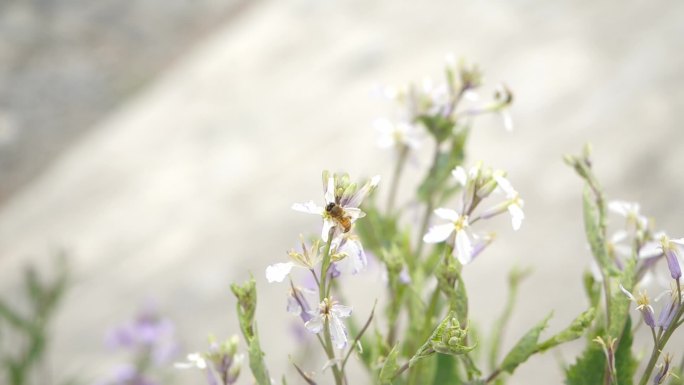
(477, 185)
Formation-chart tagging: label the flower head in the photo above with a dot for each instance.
(342, 201)
(330, 314)
(308, 258)
(463, 247)
(221, 360)
(397, 135)
(347, 254)
(670, 248)
(629, 210)
(643, 305)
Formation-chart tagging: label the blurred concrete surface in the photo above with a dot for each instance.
(64, 64)
(187, 187)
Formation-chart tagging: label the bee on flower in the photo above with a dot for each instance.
(342, 200)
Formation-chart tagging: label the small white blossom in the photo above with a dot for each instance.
(330, 313)
(195, 360)
(308, 259)
(463, 247)
(629, 210)
(397, 135)
(348, 255)
(515, 204)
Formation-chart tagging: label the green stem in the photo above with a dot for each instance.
(403, 155)
(323, 290)
(429, 206)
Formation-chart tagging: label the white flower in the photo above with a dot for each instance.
(342, 200)
(308, 259)
(195, 360)
(348, 254)
(397, 135)
(629, 210)
(463, 248)
(330, 313)
(513, 203)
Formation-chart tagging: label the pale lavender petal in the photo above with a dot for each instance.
(341, 311)
(315, 324)
(338, 333)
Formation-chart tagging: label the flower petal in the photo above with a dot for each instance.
(464, 248)
(448, 214)
(439, 233)
(277, 272)
(309, 207)
(517, 216)
(338, 333)
(315, 325)
(460, 175)
(341, 310)
(325, 231)
(330, 191)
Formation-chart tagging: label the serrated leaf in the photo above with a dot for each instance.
(390, 367)
(589, 367)
(525, 347)
(576, 329)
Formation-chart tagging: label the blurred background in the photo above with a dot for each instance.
(161, 144)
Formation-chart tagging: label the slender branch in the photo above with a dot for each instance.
(396, 176)
(663, 337)
(358, 336)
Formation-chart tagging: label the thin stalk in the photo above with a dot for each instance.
(323, 290)
(428, 208)
(396, 176)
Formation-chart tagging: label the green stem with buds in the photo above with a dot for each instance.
(323, 290)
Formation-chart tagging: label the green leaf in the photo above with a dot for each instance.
(446, 372)
(256, 361)
(525, 347)
(390, 367)
(576, 329)
(625, 364)
(589, 367)
(592, 288)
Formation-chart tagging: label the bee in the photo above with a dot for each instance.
(339, 215)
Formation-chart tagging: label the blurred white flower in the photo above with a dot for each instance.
(397, 135)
